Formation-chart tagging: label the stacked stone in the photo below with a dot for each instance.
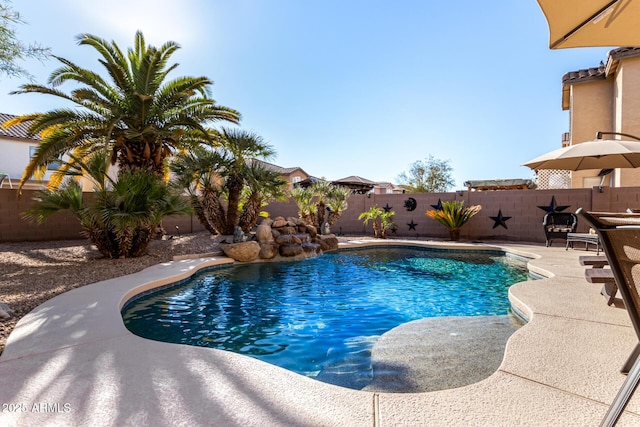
(284, 237)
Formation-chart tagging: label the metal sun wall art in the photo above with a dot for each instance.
(410, 204)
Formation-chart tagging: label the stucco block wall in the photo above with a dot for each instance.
(61, 225)
(13, 227)
(522, 206)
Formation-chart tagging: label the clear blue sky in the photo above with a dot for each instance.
(346, 87)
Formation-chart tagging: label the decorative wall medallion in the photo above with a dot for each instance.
(500, 220)
(552, 207)
(410, 204)
(412, 225)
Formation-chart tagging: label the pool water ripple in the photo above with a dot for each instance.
(321, 317)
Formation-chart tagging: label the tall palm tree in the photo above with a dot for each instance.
(239, 146)
(198, 172)
(139, 115)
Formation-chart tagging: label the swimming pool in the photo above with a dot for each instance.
(323, 315)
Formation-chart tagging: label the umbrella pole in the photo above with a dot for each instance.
(600, 133)
(584, 23)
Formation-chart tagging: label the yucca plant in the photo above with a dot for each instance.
(453, 215)
(307, 208)
(321, 202)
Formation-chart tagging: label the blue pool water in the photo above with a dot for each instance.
(322, 316)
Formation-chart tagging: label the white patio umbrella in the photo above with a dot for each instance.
(583, 23)
(597, 154)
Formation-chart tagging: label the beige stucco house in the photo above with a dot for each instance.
(604, 98)
(292, 175)
(16, 149)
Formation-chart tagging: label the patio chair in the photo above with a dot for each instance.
(620, 238)
(558, 224)
(4, 176)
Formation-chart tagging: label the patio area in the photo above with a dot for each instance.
(72, 362)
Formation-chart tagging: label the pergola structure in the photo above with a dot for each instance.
(500, 184)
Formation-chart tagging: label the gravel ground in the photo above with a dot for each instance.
(33, 272)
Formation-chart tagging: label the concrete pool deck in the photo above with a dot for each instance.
(72, 362)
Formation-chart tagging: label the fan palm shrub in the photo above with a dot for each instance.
(453, 215)
(307, 208)
(381, 220)
(123, 214)
(321, 202)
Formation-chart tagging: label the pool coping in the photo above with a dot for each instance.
(71, 361)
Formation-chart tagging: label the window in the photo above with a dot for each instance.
(296, 179)
(52, 166)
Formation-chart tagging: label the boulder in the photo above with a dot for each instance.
(267, 221)
(279, 222)
(303, 238)
(268, 250)
(323, 245)
(275, 233)
(288, 239)
(331, 241)
(263, 233)
(5, 311)
(242, 251)
(311, 248)
(295, 221)
(287, 230)
(311, 230)
(291, 250)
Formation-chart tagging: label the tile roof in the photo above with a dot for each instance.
(276, 168)
(600, 72)
(18, 131)
(624, 52)
(355, 179)
(587, 74)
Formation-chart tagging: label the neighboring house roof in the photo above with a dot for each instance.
(601, 72)
(354, 180)
(384, 184)
(308, 181)
(17, 131)
(279, 169)
(587, 74)
(356, 183)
